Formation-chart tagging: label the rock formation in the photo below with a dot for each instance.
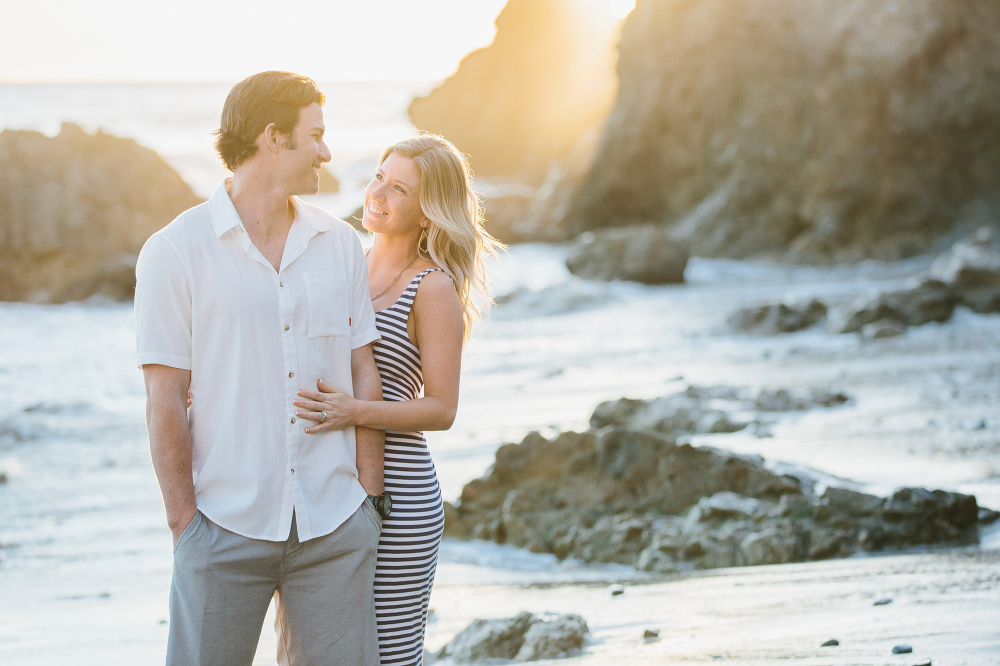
(711, 409)
(810, 131)
(525, 100)
(630, 492)
(75, 210)
(528, 109)
(967, 274)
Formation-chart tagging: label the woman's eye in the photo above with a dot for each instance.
(400, 190)
(378, 176)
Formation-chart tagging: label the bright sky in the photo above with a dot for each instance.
(224, 40)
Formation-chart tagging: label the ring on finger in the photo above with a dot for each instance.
(322, 417)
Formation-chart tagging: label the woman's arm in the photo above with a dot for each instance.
(370, 443)
(438, 333)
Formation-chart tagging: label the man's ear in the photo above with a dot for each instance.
(270, 139)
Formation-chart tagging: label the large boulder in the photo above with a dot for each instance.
(636, 497)
(643, 253)
(630, 493)
(75, 210)
(813, 131)
(525, 100)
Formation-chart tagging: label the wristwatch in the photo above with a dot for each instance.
(382, 503)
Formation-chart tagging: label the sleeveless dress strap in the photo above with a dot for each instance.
(405, 301)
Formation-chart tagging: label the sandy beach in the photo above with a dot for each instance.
(86, 557)
(945, 605)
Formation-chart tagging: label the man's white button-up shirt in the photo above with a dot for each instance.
(206, 300)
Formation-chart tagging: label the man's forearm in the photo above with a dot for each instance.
(370, 443)
(170, 448)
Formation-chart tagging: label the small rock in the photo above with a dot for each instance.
(163, 621)
(925, 662)
(902, 649)
(930, 300)
(850, 502)
(972, 268)
(616, 590)
(643, 253)
(651, 634)
(987, 516)
(883, 328)
(777, 318)
(489, 639)
(883, 602)
(3, 477)
(553, 637)
(721, 506)
(833, 642)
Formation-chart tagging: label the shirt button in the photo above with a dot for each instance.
(291, 374)
(286, 327)
(293, 470)
(281, 284)
(293, 419)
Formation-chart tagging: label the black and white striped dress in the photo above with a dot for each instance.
(408, 547)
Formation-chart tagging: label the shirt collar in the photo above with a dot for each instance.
(225, 217)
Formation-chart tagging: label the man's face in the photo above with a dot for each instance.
(300, 164)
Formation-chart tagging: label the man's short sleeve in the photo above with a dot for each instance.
(162, 306)
(363, 329)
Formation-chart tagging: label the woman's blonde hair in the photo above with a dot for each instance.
(455, 239)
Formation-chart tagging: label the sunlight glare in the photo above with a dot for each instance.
(622, 8)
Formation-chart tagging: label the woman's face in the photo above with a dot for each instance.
(392, 198)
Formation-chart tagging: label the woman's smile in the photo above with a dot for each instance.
(392, 198)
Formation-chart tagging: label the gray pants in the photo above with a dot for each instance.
(223, 584)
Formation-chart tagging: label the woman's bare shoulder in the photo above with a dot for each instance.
(438, 285)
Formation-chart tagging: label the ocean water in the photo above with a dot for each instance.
(177, 121)
(84, 550)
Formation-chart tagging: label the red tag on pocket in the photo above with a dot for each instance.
(348, 321)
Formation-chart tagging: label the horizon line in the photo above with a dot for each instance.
(208, 82)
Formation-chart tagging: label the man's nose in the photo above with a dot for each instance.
(324, 152)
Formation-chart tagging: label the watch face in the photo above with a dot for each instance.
(386, 508)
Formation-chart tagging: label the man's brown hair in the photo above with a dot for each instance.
(256, 102)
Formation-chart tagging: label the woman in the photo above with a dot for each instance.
(424, 269)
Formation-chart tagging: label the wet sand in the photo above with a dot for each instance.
(946, 605)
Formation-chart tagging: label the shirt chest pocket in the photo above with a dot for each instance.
(329, 305)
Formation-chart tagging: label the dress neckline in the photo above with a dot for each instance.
(416, 278)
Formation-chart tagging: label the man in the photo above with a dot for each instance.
(246, 299)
